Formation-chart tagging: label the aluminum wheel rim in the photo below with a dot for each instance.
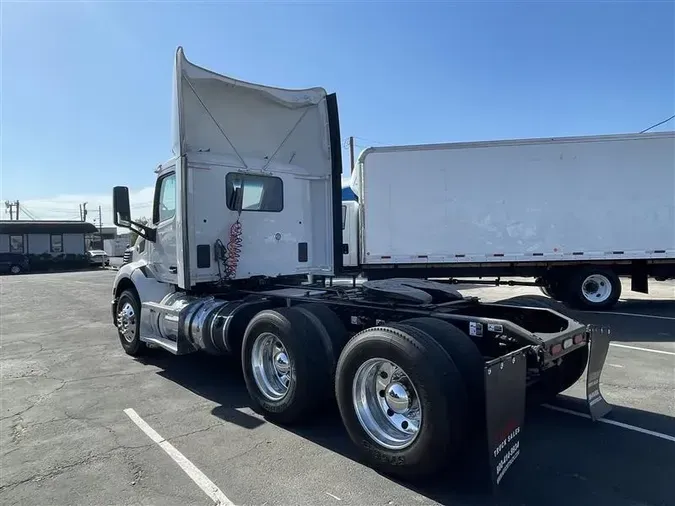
(15, 269)
(272, 368)
(596, 288)
(386, 403)
(126, 322)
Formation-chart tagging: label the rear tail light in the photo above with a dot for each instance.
(579, 339)
(556, 348)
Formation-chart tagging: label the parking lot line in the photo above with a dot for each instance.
(639, 348)
(190, 469)
(667, 437)
(633, 314)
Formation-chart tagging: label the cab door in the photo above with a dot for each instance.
(162, 253)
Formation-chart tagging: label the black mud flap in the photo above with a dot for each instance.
(505, 384)
(598, 337)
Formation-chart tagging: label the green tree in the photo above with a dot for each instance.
(133, 235)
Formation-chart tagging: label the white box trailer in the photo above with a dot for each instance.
(576, 211)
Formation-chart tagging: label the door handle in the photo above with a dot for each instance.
(173, 269)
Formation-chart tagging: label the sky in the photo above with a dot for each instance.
(85, 89)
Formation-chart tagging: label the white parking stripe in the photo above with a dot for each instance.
(652, 350)
(633, 314)
(190, 469)
(667, 437)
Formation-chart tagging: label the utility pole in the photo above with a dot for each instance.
(83, 211)
(100, 226)
(10, 205)
(351, 154)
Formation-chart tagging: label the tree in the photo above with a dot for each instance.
(133, 235)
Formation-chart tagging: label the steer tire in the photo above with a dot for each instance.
(466, 357)
(310, 367)
(131, 343)
(442, 396)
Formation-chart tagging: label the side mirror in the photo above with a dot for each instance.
(122, 215)
(121, 207)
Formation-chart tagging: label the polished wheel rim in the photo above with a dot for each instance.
(596, 288)
(386, 403)
(126, 322)
(272, 366)
(15, 269)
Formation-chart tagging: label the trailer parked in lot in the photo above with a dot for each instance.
(575, 212)
(245, 211)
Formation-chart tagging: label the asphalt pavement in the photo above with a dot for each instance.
(66, 439)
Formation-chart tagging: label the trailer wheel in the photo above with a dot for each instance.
(594, 288)
(286, 369)
(128, 316)
(553, 289)
(402, 401)
(466, 357)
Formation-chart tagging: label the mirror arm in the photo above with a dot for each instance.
(144, 231)
(147, 233)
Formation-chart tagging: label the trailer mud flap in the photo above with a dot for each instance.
(505, 384)
(599, 338)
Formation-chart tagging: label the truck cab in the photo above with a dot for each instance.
(253, 188)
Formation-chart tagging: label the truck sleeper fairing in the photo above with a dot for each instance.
(227, 126)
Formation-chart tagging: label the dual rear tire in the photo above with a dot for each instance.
(587, 288)
(407, 393)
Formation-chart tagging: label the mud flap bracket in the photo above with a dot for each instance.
(598, 338)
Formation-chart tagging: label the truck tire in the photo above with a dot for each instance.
(128, 314)
(594, 289)
(402, 401)
(331, 330)
(465, 355)
(285, 366)
(551, 286)
(15, 269)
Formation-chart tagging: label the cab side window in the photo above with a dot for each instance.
(165, 198)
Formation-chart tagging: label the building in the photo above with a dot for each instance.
(103, 236)
(47, 244)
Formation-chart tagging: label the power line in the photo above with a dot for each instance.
(658, 124)
(28, 213)
(370, 140)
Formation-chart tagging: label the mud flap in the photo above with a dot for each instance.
(505, 384)
(598, 337)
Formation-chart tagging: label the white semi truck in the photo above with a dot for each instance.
(576, 213)
(247, 208)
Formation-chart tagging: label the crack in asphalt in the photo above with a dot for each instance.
(197, 431)
(60, 469)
